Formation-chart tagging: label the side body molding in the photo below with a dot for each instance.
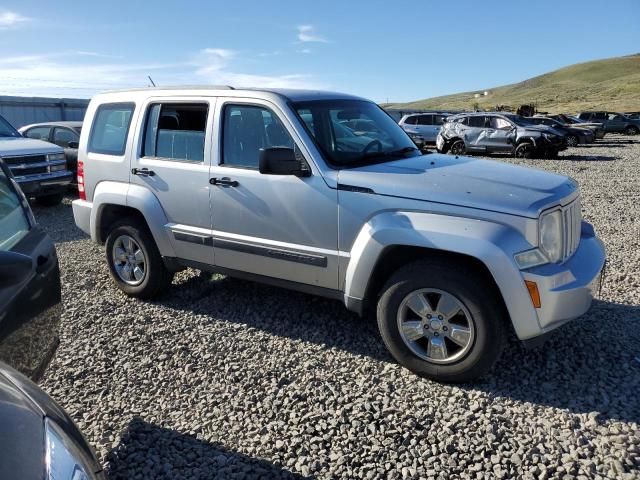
(134, 196)
(492, 243)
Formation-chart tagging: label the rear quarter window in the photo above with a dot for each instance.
(110, 128)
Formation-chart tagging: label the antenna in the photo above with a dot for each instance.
(151, 80)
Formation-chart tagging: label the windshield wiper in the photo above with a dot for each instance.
(392, 153)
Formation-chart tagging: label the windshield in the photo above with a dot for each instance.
(6, 130)
(354, 132)
(519, 120)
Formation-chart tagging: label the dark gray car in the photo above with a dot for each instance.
(613, 122)
(498, 133)
(63, 134)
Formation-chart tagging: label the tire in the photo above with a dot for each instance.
(631, 130)
(50, 200)
(155, 276)
(572, 141)
(457, 148)
(525, 150)
(480, 306)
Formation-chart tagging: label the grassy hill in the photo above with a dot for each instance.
(610, 84)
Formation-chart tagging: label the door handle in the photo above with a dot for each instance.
(223, 182)
(143, 172)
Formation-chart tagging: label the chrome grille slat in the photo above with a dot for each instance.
(572, 217)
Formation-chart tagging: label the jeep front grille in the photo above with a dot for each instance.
(572, 220)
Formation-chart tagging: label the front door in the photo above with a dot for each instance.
(173, 162)
(279, 226)
(499, 134)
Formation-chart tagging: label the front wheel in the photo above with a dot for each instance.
(572, 141)
(437, 323)
(525, 150)
(134, 260)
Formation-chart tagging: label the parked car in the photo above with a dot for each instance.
(573, 135)
(38, 439)
(613, 122)
(39, 167)
(424, 125)
(64, 134)
(450, 252)
(596, 127)
(498, 133)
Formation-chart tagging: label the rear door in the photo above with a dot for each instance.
(172, 160)
(424, 124)
(616, 122)
(30, 298)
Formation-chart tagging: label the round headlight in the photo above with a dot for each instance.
(551, 235)
(63, 457)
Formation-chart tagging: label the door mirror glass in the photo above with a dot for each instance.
(281, 161)
(73, 144)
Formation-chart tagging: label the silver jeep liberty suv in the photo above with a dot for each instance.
(289, 188)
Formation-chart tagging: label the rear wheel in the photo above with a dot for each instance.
(134, 260)
(525, 150)
(457, 148)
(631, 130)
(50, 200)
(437, 323)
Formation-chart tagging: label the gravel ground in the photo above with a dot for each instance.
(223, 378)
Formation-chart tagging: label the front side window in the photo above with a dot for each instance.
(110, 128)
(62, 137)
(354, 132)
(176, 131)
(39, 133)
(499, 123)
(14, 224)
(411, 120)
(246, 130)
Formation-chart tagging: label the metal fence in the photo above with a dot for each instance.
(21, 111)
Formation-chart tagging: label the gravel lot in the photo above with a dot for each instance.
(228, 379)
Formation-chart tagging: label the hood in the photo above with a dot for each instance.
(463, 181)
(538, 128)
(13, 146)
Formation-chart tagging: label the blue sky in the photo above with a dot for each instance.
(384, 50)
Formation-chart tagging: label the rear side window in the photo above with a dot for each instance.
(14, 224)
(425, 120)
(439, 119)
(110, 128)
(176, 131)
(410, 121)
(477, 121)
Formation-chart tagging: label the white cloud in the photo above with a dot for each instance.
(307, 33)
(73, 74)
(10, 19)
(304, 50)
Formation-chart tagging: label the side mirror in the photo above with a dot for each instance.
(282, 161)
(73, 144)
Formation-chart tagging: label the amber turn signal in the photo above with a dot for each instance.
(533, 293)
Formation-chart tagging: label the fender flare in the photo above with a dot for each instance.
(491, 243)
(138, 198)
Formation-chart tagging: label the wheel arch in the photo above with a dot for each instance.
(392, 239)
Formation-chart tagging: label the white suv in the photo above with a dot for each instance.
(325, 193)
(424, 125)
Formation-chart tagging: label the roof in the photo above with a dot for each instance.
(70, 123)
(294, 95)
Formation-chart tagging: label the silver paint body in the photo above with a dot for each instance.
(485, 209)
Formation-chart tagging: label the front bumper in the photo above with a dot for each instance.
(45, 183)
(567, 289)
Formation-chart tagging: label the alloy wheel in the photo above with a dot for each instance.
(435, 325)
(129, 260)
